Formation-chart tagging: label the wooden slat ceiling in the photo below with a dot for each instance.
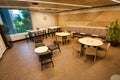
(55, 5)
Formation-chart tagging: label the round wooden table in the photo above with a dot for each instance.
(62, 34)
(90, 41)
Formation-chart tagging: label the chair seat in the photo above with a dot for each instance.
(39, 44)
(51, 47)
(54, 46)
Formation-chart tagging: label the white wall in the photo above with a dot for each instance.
(16, 37)
(43, 20)
(92, 10)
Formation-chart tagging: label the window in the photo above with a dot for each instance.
(16, 21)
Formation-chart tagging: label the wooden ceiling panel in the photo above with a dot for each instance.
(58, 6)
(84, 2)
(54, 5)
(100, 3)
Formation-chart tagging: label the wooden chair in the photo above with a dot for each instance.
(69, 38)
(38, 42)
(103, 49)
(59, 39)
(75, 39)
(46, 58)
(27, 37)
(76, 47)
(54, 46)
(32, 35)
(91, 51)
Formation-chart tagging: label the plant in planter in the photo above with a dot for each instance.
(114, 33)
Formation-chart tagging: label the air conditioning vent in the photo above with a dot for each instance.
(34, 3)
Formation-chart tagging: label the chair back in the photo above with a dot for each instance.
(76, 46)
(75, 40)
(45, 56)
(69, 37)
(90, 50)
(59, 38)
(107, 47)
(38, 33)
(38, 40)
(56, 43)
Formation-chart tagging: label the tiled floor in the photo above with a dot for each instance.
(21, 63)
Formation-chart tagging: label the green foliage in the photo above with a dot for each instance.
(114, 32)
(23, 24)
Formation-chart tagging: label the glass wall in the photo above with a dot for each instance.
(16, 21)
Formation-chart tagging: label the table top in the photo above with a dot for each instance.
(90, 41)
(36, 30)
(41, 49)
(53, 27)
(62, 33)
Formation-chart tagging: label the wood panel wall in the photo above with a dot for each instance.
(97, 19)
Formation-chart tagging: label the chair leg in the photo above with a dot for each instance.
(85, 58)
(52, 62)
(59, 50)
(105, 54)
(73, 52)
(94, 58)
(41, 66)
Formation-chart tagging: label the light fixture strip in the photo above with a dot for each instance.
(55, 3)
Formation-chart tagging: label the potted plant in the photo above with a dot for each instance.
(114, 33)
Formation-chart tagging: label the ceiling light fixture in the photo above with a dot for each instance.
(55, 3)
(118, 1)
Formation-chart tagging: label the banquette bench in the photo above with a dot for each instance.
(88, 30)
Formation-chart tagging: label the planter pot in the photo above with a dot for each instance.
(114, 44)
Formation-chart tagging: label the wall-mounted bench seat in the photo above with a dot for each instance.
(89, 30)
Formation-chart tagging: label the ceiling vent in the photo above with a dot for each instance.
(35, 3)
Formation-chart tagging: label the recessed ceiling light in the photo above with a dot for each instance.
(118, 1)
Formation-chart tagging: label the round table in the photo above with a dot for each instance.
(41, 49)
(62, 34)
(90, 41)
